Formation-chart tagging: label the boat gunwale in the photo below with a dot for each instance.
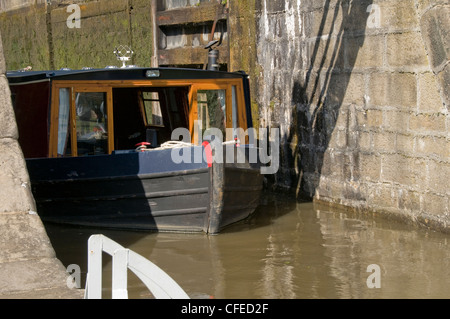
(125, 177)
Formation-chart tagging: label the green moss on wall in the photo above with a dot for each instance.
(104, 26)
(243, 35)
(24, 35)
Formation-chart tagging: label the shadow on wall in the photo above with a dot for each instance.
(320, 96)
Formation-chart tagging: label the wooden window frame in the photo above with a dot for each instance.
(74, 89)
(142, 100)
(241, 114)
(108, 86)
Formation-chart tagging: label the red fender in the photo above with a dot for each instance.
(208, 152)
(142, 145)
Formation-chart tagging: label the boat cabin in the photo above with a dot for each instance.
(70, 113)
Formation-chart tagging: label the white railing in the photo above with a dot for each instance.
(161, 285)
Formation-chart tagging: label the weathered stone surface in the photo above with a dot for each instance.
(8, 126)
(428, 123)
(396, 120)
(393, 89)
(435, 25)
(16, 243)
(444, 81)
(2, 59)
(399, 15)
(370, 51)
(19, 278)
(430, 97)
(437, 181)
(406, 50)
(15, 193)
(24, 36)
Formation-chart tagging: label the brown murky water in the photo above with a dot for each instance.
(287, 250)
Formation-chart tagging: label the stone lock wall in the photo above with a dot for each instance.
(359, 91)
(358, 88)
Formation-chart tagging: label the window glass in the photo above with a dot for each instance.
(152, 108)
(234, 110)
(91, 123)
(211, 109)
(63, 123)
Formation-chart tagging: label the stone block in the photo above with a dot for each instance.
(23, 237)
(402, 170)
(332, 165)
(384, 142)
(442, 15)
(370, 167)
(356, 18)
(89, 10)
(364, 51)
(325, 21)
(431, 123)
(433, 204)
(434, 26)
(8, 126)
(370, 119)
(331, 188)
(444, 82)
(23, 276)
(437, 181)
(338, 139)
(322, 53)
(2, 58)
(399, 15)
(408, 200)
(406, 51)
(429, 97)
(276, 6)
(393, 89)
(432, 146)
(365, 141)
(425, 5)
(311, 5)
(351, 170)
(382, 196)
(405, 143)
(395, 121)
(346, 88)
(15, 192)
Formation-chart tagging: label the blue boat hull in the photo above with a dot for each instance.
(144, 191)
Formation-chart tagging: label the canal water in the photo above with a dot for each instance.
(286, 250)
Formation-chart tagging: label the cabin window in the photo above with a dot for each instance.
(177, 100)
(211, 109)
(234, 110)
(91, 123)
(63, 148)
(151, 108)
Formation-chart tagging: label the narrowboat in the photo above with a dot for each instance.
(100, 147)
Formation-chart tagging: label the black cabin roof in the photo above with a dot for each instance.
(129, 73)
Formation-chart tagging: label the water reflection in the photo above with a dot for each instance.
(286, 250)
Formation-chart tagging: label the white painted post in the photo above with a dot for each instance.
(120, 274)
(94, 275)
